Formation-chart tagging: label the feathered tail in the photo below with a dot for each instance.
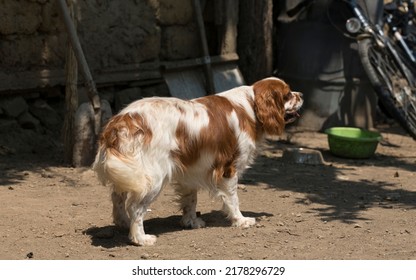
(116, 160)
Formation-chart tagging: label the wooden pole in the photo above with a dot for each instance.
(255, 39)
(79, 54)
(71, 95)
(210, 86)
(226, 21)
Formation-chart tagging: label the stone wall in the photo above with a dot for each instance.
(116, 36)
(125, 42)
(31, 35)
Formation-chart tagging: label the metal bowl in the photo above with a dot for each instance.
(302, 155)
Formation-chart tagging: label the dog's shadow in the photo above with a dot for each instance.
(112, 236)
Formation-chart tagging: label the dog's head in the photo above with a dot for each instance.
(275, 104)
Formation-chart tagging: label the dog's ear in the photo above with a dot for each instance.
(269, 105)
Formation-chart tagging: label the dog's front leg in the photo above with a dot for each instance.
(228, 193)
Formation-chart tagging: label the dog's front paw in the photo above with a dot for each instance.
(192, 223)
(145, 240)
(244, 222)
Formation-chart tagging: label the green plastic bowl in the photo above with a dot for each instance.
(351, 142)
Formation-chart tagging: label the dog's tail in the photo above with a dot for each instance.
(117, 162)
(123, 173)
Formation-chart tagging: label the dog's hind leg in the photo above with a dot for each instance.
(187, 201)
(120, 216)
(137, 208)
(228, 192)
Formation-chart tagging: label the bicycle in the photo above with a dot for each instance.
(400, 19)
(385, 55)
(389, 68)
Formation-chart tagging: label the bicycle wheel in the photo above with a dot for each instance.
(392, 80)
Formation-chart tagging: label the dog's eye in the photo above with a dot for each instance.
(288, 95)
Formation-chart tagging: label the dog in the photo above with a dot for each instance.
(205, 142)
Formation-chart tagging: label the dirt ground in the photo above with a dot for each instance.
(344, 209)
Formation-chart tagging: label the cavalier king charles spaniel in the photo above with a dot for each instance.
(190, 144)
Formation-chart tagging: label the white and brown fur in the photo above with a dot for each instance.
(202, 143)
